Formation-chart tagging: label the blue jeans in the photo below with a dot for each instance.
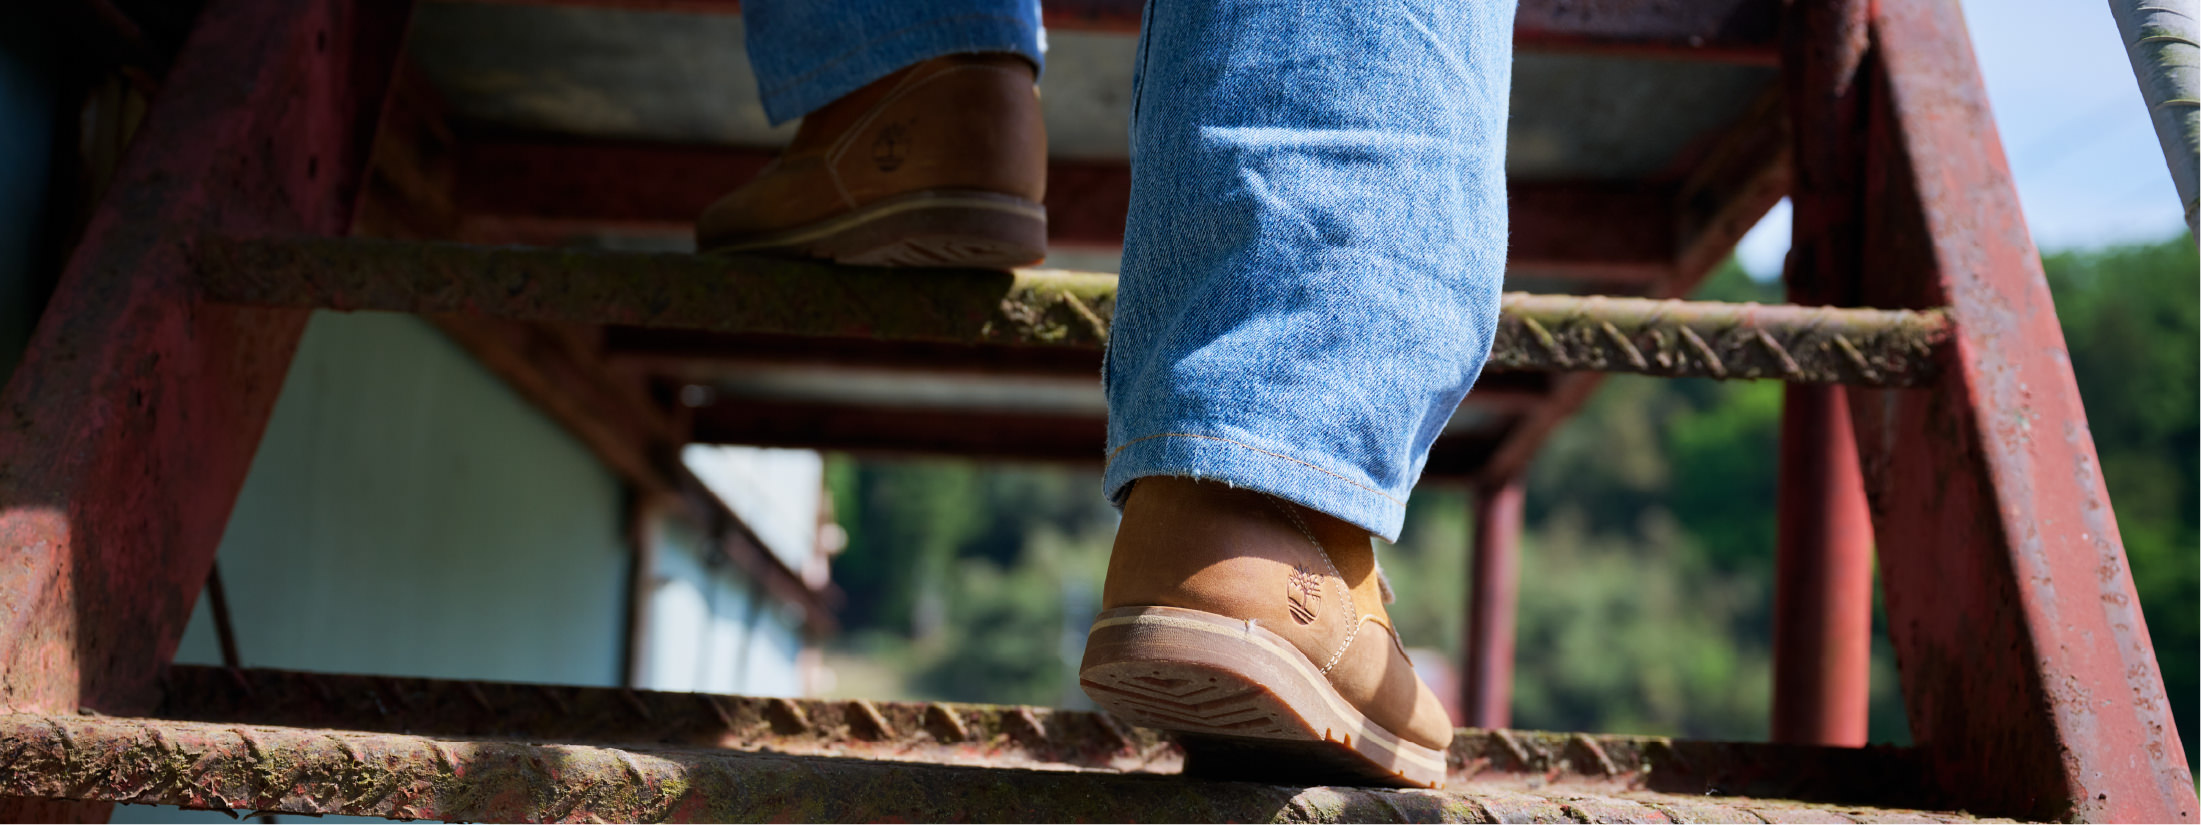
(1316, 242)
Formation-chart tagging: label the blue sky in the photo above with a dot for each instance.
(2089, 170)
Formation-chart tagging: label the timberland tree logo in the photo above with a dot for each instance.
(1304, 593)
(891, 147)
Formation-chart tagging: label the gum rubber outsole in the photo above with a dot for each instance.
(935, 228)
(1244, 703)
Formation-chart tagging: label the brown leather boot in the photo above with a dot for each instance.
(943, 163)
(1255, 629)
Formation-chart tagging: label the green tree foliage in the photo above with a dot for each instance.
(963, 578)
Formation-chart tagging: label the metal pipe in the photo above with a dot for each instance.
(2160, 38)
(1486, 673)
(642, 513)
(1822, 593)
(217, 603)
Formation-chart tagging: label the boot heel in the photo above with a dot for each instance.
(1246, 702)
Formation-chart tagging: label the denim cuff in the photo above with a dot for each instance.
(857, 64)
(1238, 464)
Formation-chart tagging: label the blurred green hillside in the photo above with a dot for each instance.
(1648, 563)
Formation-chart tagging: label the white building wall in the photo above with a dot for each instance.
(710, 630)
(408, 514)
(776, 492)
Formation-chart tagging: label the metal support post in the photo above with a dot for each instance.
(1822, 592)
(1486, 673)
(1822, 595)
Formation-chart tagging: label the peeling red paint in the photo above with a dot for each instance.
(1994, 544)
(130, 424)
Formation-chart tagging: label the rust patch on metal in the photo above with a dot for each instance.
(865, 721)
(993, 735)
(1864, 347)
(945, 724)
(1002, 736)
(400, 776)
(2028, 675)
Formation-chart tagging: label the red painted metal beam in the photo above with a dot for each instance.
(1822, 595)
(1632, 245)
(1729, 188)
(1822, 591)
(1087, 202)
(2027, 670)
(533, 189)
(1738, 179)
(1494, 580)
(704, 357)
(1727, 31)
(134, 415)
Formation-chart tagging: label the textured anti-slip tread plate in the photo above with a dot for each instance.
(988, 735)
(1025, 308)
(319, 771)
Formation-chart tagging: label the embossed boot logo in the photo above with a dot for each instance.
(1304, 593)
(891, 147)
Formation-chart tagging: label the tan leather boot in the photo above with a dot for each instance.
(1255, 629)
(943, 163)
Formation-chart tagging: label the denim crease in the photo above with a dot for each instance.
(1316, 242)
(1316, 245)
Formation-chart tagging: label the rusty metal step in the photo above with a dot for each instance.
(246, 768)
(1024, 308)
(291, 742)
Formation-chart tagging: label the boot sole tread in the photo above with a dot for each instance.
(1244, 703)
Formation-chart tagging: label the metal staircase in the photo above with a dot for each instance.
(286, 134)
